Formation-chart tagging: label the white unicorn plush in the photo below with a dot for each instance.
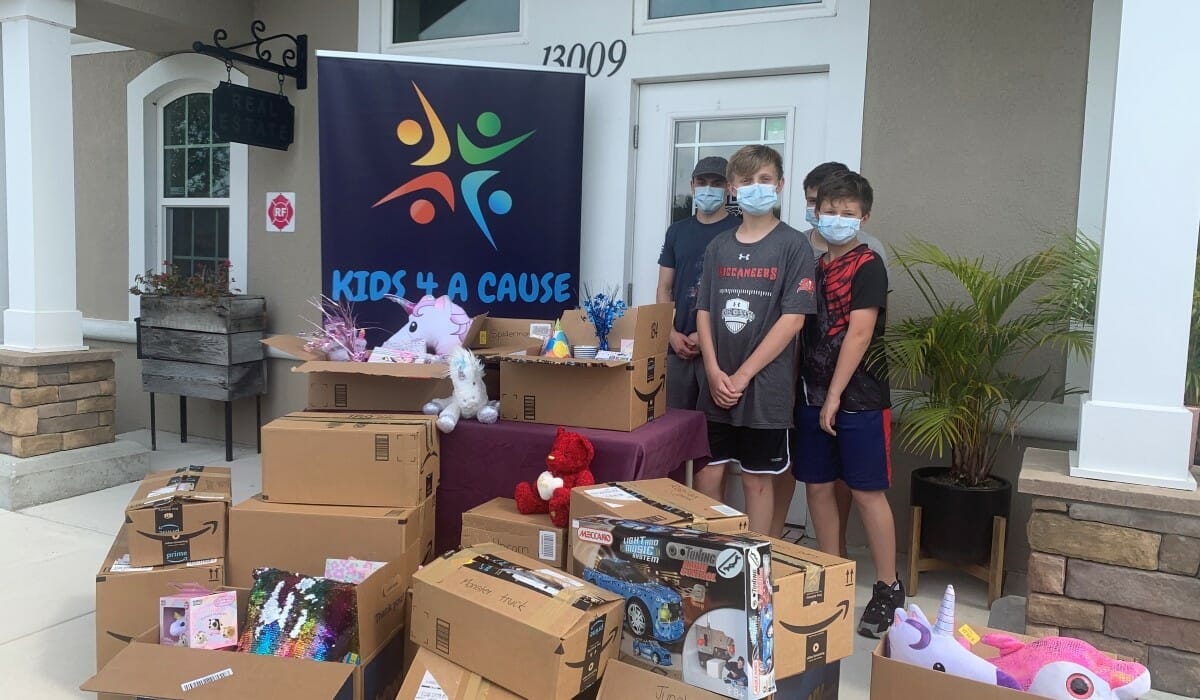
(913, 640)
(470, 399)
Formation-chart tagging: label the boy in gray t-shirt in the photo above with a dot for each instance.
(758, 284)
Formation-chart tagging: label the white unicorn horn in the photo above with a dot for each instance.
(945, 618)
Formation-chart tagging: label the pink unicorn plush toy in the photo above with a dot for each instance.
(439, 323)
(913, 640)
(1068, 669)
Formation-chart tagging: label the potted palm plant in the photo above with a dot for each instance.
(959, 386)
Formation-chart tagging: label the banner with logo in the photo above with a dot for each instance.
(455, 179)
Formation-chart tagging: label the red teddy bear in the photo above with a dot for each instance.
(568, 463)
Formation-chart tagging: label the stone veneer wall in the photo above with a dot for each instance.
(1121, 578)
(53, 402)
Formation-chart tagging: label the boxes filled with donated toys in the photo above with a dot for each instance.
(698, 605)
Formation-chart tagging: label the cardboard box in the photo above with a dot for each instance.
(301, 537)
(145, 669)
(127, 597)
(621, 394)
(515, 621)
(659, 501)
(374, 386)
(695, 602)
(624, 681)
(431, 676)
(179, 516)
(491, 336)
(896, 680)
(350, 459)
(380, 604)
(813, 594)
(498, 521)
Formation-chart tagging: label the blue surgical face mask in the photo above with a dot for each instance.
(709, 199)
(810, 215)
(757, 199)
(837, 230)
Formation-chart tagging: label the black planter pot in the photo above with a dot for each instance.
(956, 522)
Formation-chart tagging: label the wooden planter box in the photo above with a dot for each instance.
(203, 348)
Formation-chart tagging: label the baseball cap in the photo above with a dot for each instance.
(711, 165)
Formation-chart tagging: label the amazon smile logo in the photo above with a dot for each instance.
(209, 526)
(844, 610)
(124, 639)
(610, 638)
(648, 397)
(433, 179)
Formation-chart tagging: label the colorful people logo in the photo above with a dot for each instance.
(422, 210)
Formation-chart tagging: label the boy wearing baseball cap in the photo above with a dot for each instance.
(680, 265)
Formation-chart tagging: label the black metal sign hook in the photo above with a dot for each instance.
(294, 62)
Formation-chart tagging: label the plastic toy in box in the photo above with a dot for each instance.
(697, 604)
(198, 618)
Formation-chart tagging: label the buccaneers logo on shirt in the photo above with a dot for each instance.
(737, 315)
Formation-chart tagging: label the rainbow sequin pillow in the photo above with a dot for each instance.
(301, 617)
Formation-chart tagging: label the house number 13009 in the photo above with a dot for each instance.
(593, 58)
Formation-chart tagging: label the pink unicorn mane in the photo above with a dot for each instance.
(1023, 661)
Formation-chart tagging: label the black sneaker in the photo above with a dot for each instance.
(879, 613)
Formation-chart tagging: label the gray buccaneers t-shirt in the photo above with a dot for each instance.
(746, 288)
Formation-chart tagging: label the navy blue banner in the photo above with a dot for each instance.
(442, 179)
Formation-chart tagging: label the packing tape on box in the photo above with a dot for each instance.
(695, 519)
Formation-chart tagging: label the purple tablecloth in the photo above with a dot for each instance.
(481, 462)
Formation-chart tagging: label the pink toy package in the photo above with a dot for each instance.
(198, 618)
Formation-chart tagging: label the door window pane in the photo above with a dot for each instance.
(421, 20)
(685, 132)
(681, 8)
(696, 139)
(715, 130)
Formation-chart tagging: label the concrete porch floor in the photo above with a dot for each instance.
(47, 646)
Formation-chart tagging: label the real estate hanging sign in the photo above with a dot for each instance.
(449, 179)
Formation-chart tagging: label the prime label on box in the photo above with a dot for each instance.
(698, 605)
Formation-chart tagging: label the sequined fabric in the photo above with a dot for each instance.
(303, 617)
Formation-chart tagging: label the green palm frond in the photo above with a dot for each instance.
(952, 365)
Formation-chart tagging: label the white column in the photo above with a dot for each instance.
(1133, 428)
(40, 176)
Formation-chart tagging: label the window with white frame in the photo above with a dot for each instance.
(188, 196)
(660, 9)
(428, 20)
(701, 138)
(194, 193)
(675, 15)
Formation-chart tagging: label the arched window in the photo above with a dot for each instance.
(187, 194)
(194, 193)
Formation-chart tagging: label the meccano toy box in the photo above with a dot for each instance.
(697, 604)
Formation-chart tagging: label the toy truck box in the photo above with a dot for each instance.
(698, 605)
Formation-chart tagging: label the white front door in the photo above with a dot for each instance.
(679, 123)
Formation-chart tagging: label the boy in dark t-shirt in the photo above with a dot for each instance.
(757, 287)
(680, 265)
(843, 401)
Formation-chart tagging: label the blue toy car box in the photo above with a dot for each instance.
(698, 605)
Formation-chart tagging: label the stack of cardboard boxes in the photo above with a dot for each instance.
(174, 534)
(335, 486)
(697, 591)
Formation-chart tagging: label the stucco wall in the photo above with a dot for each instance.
(98, 84)
(973, 125)
(971, 137)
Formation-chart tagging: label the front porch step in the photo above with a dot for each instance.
(32, 481)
